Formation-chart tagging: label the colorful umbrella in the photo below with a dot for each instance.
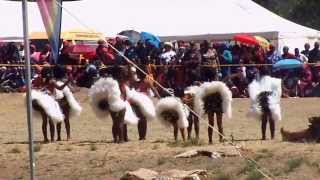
(246, 39)
(133, 36)
(287, 64)
(263, 42)
(154, 40)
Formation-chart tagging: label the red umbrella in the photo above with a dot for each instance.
(246, 39)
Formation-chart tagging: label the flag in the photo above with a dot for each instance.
(51, 13)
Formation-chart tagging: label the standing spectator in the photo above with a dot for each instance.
(141, 53)
(300, 57)
(259, 56)
(65, 54)
(272, 55)
(314, 55)
(45, 55)
(104, 54)
(210, 60)
(306, 50)
(286, 54)
(168, 56)
(130, 52)
(192, 61)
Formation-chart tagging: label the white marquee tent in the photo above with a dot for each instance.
(170, 19)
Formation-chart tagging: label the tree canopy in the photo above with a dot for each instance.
(304, 12)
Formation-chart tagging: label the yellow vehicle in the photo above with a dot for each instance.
(84, 41)
(76, 36)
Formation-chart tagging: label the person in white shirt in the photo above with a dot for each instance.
(300, 57)
(168, 56)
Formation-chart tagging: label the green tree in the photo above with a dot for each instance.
(304, 12)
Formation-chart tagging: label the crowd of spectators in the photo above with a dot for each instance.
(176, 65)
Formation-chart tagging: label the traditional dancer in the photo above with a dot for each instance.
(265, 94)
(140, 100)
(172, 112)
(189, 100)
(214, 98)
(65, 98)
(106, 100)
(48, 86)
(48, 109)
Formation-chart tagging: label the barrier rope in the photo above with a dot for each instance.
(213, 66)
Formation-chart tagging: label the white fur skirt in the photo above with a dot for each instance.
(105, 96)
(269, 84)
(75, 108)
(143, 103)
(48, 104)
(209, 88)
(176, 107)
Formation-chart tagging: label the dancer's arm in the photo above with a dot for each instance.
(62, 86)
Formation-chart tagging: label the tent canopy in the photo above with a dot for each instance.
(171, 19)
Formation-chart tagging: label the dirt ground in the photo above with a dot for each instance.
(91, 155)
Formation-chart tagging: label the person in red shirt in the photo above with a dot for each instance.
(286, 54)
(105, 54)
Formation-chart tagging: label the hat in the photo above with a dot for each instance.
(101, 41)
(168, 44)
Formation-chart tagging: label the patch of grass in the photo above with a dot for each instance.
(292, 164)
(174, 144)
(161, 161)
(247, 168)
(37, 148)
(93, 147)
(155, 147)
(254, 175)
(222, 176)
(277, 171)
(313, 164)
(264, 155)
(15, 150)
(159, 141)
(193, 142)
(69, 148)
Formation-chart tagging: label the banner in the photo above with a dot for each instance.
(51, 13)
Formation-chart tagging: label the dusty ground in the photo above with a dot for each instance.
(91, 155)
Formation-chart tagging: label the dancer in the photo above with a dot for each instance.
(141, 101)
(189, 100)
(106, 100)
(214, 98)
(65, 98)
(48, 109)
(171, 112)
(265, 93)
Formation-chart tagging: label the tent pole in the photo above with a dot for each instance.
(27, 80)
